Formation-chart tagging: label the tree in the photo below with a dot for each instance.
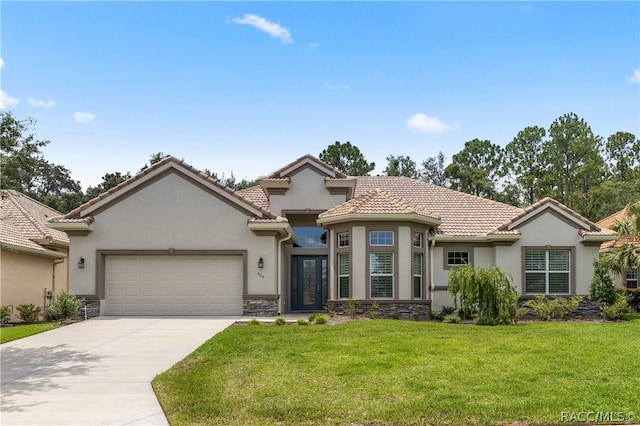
(573, 163)
(153, 159)
(623, 152)
(433, 170)
(523, 162)
(476, 169)
(109, 180)
(401, 166)
(347, 158)
(24, 168)
(626, 257)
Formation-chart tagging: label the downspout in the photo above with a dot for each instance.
(279, 263)
(53, 283)
(432, 284)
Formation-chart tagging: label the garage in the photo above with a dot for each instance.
(173, 285)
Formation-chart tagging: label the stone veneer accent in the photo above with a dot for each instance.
(260, 307)
(392, 309)
(587, 310)
(93, 309)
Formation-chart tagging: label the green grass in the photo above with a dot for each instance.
(387, 372)
(16, 332)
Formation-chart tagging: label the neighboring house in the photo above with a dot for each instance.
(630, 279)
(171, 240)
(33, 260)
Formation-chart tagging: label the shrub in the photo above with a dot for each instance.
(520, 313)
(320, 319)
(352, 308)
(633, 296)
(451, 319)
(64, 306)
(5, 315)
(29, 313)
(485, 320)
(601, 289)
(566, 306)
(542, 306)
(255, 321)
(313, 317)
(446, 310)
(617, 310)
(373, 310)
(485, 290)
(331, 310)
(303, 321)
(280, 321)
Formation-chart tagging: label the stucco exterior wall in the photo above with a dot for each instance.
(405, 263)
(173, 213)
(306, 191)
(358, 265)
(25, 278)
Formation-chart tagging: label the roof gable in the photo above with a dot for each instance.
(306, 161)
(155, 172)
(23, 225)
(545, 205)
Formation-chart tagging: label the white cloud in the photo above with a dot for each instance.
(424, 123)
(84, 117)
(6, 100)
(271, 28)
(635, 78)
(38, 103)
(1, 63)
(337, 86)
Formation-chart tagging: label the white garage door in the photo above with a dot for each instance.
(173, 285)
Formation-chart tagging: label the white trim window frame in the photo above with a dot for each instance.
(631, 279)
(344, 239)
(417, 275)
(381, 275)
(418, 237)
(381, 238)
(458, 258)
(546, 270)
(344, 276)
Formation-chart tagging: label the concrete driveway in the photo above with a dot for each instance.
(97, 372)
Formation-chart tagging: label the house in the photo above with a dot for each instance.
(630, 279)
(33, 259)
(171, 240)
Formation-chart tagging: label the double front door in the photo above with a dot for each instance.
(308, 282)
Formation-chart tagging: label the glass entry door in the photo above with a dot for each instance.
(308, 282)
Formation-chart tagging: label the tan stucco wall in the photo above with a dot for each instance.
(25, 277)
(173, 213)
(547, 229)
(359, 262)
(306, 191)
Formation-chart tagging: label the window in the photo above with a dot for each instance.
(343, 239)
(381, 275)
(632, 279)
(547, 271)
(417, 275)
(417, 239)
(343, 276)
(310, 237)
(381, 238)
(457, 258)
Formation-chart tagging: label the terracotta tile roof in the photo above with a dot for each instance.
(23, 224)
(610, 221)
(78, 212)
(461, 214)
(277, 219)
(377, 202)
(256, 195)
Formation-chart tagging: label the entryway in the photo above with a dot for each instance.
(308, 282)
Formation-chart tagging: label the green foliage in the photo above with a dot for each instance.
(280, 321)
(542, 306)
(5, 315)
(433, 170)
(451, 319)
(477, 169)
(8, 334)
(313, 316)
(485, 290)
(617, 310)
(302, 321)
(347, 158)
(485, 320)
(331, 309)
(633, 296)
(523, 154)
(520, 313)
(602, 288)
(352, 308)
(64, 306)
(373, 310)
(565, 306)
(29, 313)
(401, 166)
(446, 310)
(255, 321)
(320, 319)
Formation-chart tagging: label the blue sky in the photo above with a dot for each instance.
(246, 87)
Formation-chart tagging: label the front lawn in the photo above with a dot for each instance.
(8, 334)
(387, 372)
